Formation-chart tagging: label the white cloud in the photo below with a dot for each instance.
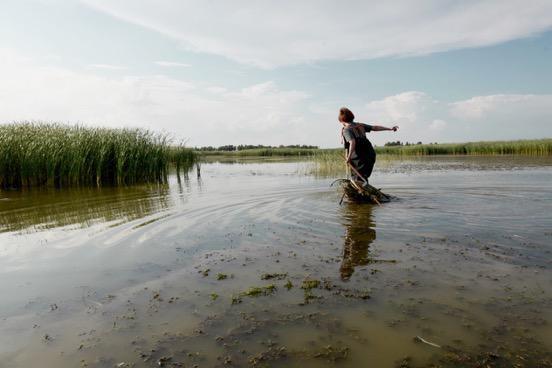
(106, 66)
(438, 124)
(492, 117)
(272, 33)
(480, 106)
(406, 107)
(170, 64)
(262, 113)
(216, 89)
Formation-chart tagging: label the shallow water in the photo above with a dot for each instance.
(196, 272)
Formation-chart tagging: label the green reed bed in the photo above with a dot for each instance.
(48, 154)
(330, 162)
(536, 147)
(182, 158)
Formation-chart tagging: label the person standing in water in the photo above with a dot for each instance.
(359, 152)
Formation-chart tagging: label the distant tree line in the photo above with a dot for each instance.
(241, 147)
(399, 143)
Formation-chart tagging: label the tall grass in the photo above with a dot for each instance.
(536, 147)
(47, 154)
(182, 158)
(330, 162)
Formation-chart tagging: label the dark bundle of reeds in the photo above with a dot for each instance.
(358, 193)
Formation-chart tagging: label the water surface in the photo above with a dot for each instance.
(256, 264)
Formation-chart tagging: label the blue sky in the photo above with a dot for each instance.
(276, 72)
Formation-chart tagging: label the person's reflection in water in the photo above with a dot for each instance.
(359, 234)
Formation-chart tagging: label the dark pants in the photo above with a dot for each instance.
(364, 159)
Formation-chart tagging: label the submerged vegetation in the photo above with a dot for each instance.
(47, 154)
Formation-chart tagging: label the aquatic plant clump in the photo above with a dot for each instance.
(49, 154)
(357, 193)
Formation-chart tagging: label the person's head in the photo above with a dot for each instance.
(346, 115)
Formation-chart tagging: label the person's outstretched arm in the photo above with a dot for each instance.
(379, 128)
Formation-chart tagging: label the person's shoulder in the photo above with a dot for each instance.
(348, 133)
(350, 127)
(347, 130)
(367, 127)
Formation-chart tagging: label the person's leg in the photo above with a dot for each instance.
(357, 163)
(369, 167)
(366, 159)
(370, 162)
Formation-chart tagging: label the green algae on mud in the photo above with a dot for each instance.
(254, 291)
(276, 275)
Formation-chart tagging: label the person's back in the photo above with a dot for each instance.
(363, 157)
(359, 151)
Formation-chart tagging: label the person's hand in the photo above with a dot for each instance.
(348, 160)
(395, 128)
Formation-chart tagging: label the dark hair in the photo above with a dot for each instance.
(346, 115)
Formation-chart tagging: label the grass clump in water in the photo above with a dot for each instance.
(259, 290)
(307, 286)
(310, 284)
(49, 154)
(275, 276)
(254, 291)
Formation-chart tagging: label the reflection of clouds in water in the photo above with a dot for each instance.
(359, 235)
